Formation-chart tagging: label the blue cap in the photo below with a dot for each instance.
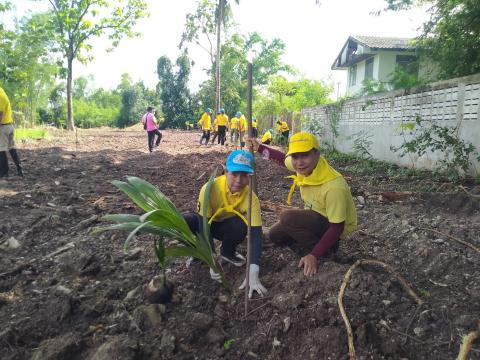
(208, 110)
(241, 160)
(222, 110)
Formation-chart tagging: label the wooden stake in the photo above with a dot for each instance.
(251, 184)
(249, 239)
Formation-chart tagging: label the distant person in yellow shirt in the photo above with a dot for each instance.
(206, 124)
(222, 121)
(254, 127)
(7, 132)
(329, 213)
(227, 214)
(215, 129)
(267, 137)
(242, 129)
(234, 124)
(284, 130)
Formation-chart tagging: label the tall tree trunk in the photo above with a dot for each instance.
(218, 98)
(70, 123)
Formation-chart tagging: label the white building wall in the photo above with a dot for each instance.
(383, 66)
(387, 61)
(453, 103)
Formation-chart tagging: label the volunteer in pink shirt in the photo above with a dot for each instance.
(150, 125)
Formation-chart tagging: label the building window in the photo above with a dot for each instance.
(353, 75)
(408, 63)
(369, 68)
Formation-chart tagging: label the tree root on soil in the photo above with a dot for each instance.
(343, 287)
(475, 196)
(17, 270)
(467, 344)
(473, 247)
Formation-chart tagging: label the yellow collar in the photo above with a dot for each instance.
(226, 206)
(322, 174)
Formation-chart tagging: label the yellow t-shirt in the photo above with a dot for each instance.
(267, 136)
(283, 127)
(254, 124)
(216, 202)
(332, 200)
(215, 124)
(5, 108)
(205, 122)
(234, 123)
(242, 123)
(222, 120)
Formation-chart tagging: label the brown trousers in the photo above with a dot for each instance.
(299, 229)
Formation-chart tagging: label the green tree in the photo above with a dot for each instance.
(202, 27)
(81, 87)
(451, 37)
(283, 96)
(94, 107)
(135, 98)
(77, 22)
(267, 63)
(27, 69)
(56, 102)
(173, 90)
(222, 8)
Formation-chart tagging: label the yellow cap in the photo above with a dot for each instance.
(302, 142)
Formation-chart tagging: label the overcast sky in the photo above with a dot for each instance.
(314, 35)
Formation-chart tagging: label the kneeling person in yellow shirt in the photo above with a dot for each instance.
(267, 137)
(329, 213)
(227, 214)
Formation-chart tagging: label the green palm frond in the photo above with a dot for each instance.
(162, 219)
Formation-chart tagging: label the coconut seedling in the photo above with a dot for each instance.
(163, 220)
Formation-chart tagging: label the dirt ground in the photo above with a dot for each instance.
(67, 294)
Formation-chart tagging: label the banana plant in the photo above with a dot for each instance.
(163, 220)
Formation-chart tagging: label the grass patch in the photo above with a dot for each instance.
(30, 133)
(359, 166)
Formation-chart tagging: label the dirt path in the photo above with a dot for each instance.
(65, 294)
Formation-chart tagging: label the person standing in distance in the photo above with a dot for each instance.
(7, 132)
(151, 126)
(206, 123)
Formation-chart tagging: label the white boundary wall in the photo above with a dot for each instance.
(454, 102)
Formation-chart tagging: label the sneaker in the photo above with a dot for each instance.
(236, 259)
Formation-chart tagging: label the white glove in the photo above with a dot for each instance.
(215, 276)
(255, 284)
